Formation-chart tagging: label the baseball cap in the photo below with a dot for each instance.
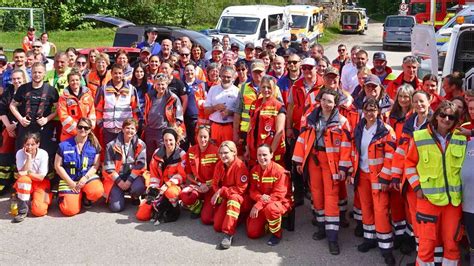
(305, 39)
(234, 45)
(217, 48)
(145, 50)
(152, 29)
(3, 58)
(331, 70)
(37, 43)
(271, 44)
(285, 39)
(309, 61)
(380, 56)
(259, 48)
(215, 39)
(249, 45)
(372, 79)
(257, 65)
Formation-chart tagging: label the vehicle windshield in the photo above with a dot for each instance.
(417, 8)
(299, 21)
(452, 22)
(239, 25)
(399, 22)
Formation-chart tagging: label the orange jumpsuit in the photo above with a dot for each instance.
(94, 81)
(71, 108)
(162, 170)
(274, 182)
(232, 182)
(201, 166)
(374, 202)
(263, 118)
(325, 154)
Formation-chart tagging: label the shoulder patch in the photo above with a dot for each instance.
(243, 178)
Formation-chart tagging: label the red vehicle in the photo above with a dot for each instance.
(421, 10)
(111, 51)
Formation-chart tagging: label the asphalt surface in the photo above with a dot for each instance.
(97, 236)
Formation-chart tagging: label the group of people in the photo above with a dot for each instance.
(235, 140)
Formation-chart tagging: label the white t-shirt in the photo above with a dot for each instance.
(39, 165)
(367, 136)
(349, 78)
(46, 48)
(218, 95)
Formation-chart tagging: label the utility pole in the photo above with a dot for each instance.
(432, 12)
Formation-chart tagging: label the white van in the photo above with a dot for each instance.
(253, 23)
(306, 21)
(444, 33)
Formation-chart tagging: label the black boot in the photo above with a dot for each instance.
(389, 258)
(343, 222)
(408, 245)
(320, 234)
(334, 248)
(366, 246)
(359, 230)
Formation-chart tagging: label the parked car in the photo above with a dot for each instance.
(128, 33)
(397, 31)
(353, 21)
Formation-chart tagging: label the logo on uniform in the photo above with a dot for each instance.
(268, 128)
(337, 142)
(243, 178)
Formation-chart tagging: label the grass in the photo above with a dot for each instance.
(330, 33)
(62, 39)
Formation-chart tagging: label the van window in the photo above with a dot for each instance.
(418, 8)
(275, 22)
(399, 22)
(464, 58)
(239, 25)
(299, 21)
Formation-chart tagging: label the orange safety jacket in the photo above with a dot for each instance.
(380, 153)
(272, 181)
(399, 157)
(394, 84)
(200, 97)
(162, 169)
(337, 142)
(232, 179)
(263, 118)
(114, 158)
(397, 123)
(94, 81)
(299, 98)
(71, 108)
(201, 164)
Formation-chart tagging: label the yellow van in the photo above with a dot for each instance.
(353, 20)
(306, 21)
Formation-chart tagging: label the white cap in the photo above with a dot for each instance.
(309, 61)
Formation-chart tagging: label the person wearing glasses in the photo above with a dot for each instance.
(242, 74)
(76, 163)
(373, 89)
(184, 60)
(162, 110)
(124, 166)
(219, 105)
(342, 58)
(37, 52)
(201, 160)
(122, 58)
(75, 102)
(212, 71)
(433, 165)
(81, 65)
(101, 75)
(374, 147)
(267, 123)
(409, 75)
(293, 73)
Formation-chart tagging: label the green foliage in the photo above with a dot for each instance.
(67, 15)
(380, 8)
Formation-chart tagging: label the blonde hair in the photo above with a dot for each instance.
(230, 145)
(364, 70)
(270, 80)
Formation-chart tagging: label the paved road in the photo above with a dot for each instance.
(99, 237)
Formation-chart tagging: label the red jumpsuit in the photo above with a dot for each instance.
(273, 182)
(263, 119)
(232, 183)
(375, 202)
(201, 166)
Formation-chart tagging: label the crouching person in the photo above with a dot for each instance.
(269, 190)
(76, 163)
(32, 165)
(229, 185)
(124, 165)
(166, 177)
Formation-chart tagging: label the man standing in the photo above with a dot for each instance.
(175, 85)
(278, 67)
(249, 54)
(58, 76)
(151, 34)
(342, 59)
(285, 47)
(304, 51)
(19, 58)
(409, 76)
(349, 72)
(143, 57)
(166, 47)
(293, 74)
(381, 69)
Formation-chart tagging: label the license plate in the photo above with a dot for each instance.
(400, 33)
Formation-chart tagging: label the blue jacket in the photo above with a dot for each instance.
(155, 47)
(75, 164)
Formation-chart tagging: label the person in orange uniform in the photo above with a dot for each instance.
(270, 191)
(267, 123)
(201, 162)
(76, 163)
(167, 174)
(75, 103)
(124, 167)
(409, 75)
(374, 147)
(100, 76)
(416, 121)
(229, 184)
(32, 165)
(323, 149)
(401, 109)
(433, 163)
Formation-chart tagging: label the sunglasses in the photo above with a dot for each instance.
(83, 128)
(81, 63)
(293, 62)
(450, 117)
(204, 126)
(341, 50)
(307, 67)
(184, 54)
(241, 69)
(36, 46)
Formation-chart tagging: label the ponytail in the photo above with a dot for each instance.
(94, 141)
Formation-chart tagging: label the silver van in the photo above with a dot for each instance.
(397, 31)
